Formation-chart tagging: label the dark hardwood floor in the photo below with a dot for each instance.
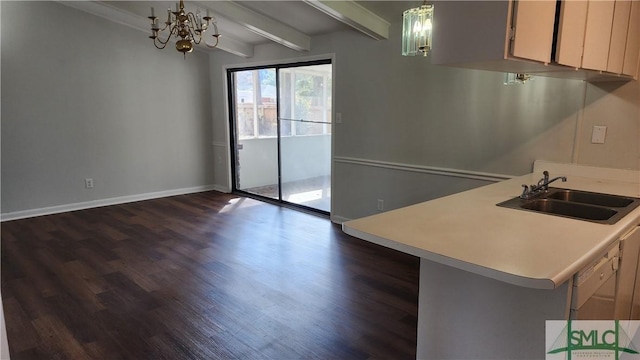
(203, 276)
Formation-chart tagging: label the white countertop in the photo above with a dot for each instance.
(468, 231)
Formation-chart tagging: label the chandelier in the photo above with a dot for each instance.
(184, 26)
(416, 30)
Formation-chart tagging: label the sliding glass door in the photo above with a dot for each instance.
(256, 130)
(281, 121)
(305, 133)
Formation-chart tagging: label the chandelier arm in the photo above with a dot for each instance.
(196, 38)
(159, 31)
(164, 28)
(173, 30)
(164, 44)
(193, 20)
(216, 35)
(191, 17)
(193, 26)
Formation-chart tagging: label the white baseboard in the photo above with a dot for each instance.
(106, 202)
(222, 189)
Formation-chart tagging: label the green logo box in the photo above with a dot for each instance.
(592, 339)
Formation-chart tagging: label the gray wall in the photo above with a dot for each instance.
(83, 97)
(616, 106)
(402, 117)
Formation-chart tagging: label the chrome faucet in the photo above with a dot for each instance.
(544, 182)
(542, 186)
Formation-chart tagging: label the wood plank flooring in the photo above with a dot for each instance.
(202, 276)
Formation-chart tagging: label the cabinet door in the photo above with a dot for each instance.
(571, 27)
(533, 25)
(597, 35)
(622, 9)
(632, 50)
(626, 297)
(470, 31)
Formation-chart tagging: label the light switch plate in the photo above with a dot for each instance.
(598, 134)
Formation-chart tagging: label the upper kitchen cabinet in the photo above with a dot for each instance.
(585, 28)
(477, 34)
(532, 30)
(590, 39)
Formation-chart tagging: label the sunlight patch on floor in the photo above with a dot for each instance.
(306, 196)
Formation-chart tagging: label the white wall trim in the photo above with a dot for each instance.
(467, 174)
(104, 202)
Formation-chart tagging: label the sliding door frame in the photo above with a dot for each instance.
(233, 137)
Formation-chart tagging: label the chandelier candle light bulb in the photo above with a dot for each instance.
(186, 27)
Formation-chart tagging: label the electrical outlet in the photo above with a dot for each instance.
(338, 118)
(380, 204)
(88, 183)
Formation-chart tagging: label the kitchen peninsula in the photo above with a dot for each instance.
(490, 276)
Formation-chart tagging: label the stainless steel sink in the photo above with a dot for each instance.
(571, 209)
(575, 204)
(591, 198)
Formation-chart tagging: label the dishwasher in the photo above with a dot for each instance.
(595, 288)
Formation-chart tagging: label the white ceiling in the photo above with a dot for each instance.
(245, 24)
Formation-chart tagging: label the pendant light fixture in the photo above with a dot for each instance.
(416, 30)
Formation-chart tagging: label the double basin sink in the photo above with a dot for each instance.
(576, 204)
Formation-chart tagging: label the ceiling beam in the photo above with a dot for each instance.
(233, 46)
(110, 13)
(273, 30)
(354, 15)
(141, 23)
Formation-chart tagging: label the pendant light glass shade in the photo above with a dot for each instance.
(416, 30)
